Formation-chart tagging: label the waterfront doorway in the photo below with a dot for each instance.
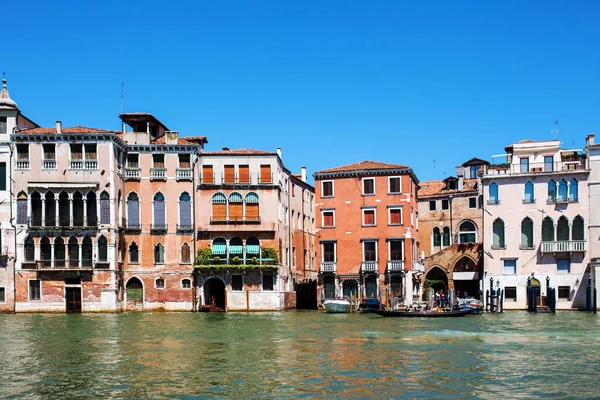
(350, 286)
(437, 279)
(466, 278)
(214, 293)
(371, 286)
(73, 299)
(134, 295)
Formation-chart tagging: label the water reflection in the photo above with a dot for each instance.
(297, 354)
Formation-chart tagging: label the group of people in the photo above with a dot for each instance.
(441, 299)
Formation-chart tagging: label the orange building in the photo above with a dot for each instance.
(367, 227)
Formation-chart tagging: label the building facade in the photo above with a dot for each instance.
(593, 157)
(368, 230)
(536, 214)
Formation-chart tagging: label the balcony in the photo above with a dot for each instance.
(185, 228)
(265, 179)
(64, 222)
(158, 174)
(49, 164)
(536, 168)
(236, 179)
(566, 246)
(59, 265)
(22, 165)
(183, 174)
(158, 227)
(395, 266)
(207, 179)
(368, 266)
(235, 220)
(90, 164)
(132, 174)
(328, 267)
(134, 226)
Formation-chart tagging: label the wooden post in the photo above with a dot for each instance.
(226, 308)
(351, 303)
(247, 301)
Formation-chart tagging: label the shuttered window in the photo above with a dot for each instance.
(207, 174)
(22, 209)
(229, 174)
(252, 210)
(236, 207)
(244, 174)
(219, 207)
(102, 249)
(159, 210)
(3, 176)
(104, 208)
(368, 217)
(328, 219)
(133, 210)
(265, 173)
(395, 216)
(185, 253)
(185, 210)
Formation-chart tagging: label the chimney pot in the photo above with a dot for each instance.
(225, 148)
(58, 127)
(279, 152)
(590, 139)
(303, 174)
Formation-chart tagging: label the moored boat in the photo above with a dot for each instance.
(423, 314)
(337, 306)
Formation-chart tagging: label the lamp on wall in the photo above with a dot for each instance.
(577, 282)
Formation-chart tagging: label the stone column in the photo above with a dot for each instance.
(70, 212)
(56, 221)
(43, 211)
(37, 249)
(84, 211)
(408, 287)
(80, 247)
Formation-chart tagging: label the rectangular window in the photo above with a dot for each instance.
(510, 293)
(445, 204)
(159, 283)
(563, 265)
(207, 174)
(524, 164)
(184, 161)
(327, 188)
(49, 152)
(237, 283)
(369, 251)
(396, 250)
(91, 152)
(548, 163)
(395, 216)
(3, 128)
(510, 266)
(395, 185)
(328, 219)
(368, 217)
(472, 202)
(267, 282)
(244, 174)
(35, 289)
(2, 295)
(329, 252)
(564, 292)
(432, 205)
(3, 176)
(473, 171)
(76, 152)
(133, 161)
(368, 186)
(158, 160)
(229, 176)
(265, 174)
(23, 152)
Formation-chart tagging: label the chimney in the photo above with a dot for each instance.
(58, 127)
(225, 149)
(171, 137)
(279, 152)
(303, 174)
(461, 182)
(589, 140)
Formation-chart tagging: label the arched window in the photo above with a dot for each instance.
(236, 207)
(252, 211)
(498, 241)
(547, 230)
(22, 208)
(562, 190)
(219, 248)
(467, 232)
(527, 233)
(219, 207)
(46, 250)
(159, 283)
(446, 237)
(494, 199)
(64, 209)
(73, 252)
(236, 247)
(29, 249)
(59, 252)
(159, 221)
(87, 254)
(562, 229)
(573, 190)
(437, 237)
(186, 254)
(159, 254)
(185, 211)
(551, 191)
(77, 209)
(50, 209)
(529, 193)
(104, 208)
(186, 283)
(36, 209)
(92, 209)
(133, 211)
(134, 253)
(577, 232)
(252, 248)
(102, 249)
(119, 209)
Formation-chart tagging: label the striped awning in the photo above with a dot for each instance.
(252, 249)
(235, 197)
(218, 249)
(219, 198)
(252, 198)
(235, 249)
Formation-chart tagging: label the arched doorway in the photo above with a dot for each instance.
(350, 286)
(134, 292)
(535, 285)
(214, 293)
(465, 275)
(435, 278)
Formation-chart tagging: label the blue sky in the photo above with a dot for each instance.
(331, 82)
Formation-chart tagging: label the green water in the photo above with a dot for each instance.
(299, 354)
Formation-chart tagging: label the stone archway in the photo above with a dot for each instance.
(465, 277)
(134, 295)
(436, 278)
(214, 293)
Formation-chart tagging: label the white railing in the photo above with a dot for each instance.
(395, 266)
(183, 174)
(91, 164)
(158, 173)
(533, 168)
(22, 164)
(76, 164)
(369, 266)
(49, 164)
(563, 246)
(328, 267)
(132, 173)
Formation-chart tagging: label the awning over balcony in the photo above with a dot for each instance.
(235, 249)
(252, 249)
(219, 249)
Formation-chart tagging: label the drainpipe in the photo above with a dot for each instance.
(14, 260)
(195, 289)
(451, 227)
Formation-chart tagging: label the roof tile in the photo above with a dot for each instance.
(75, 129)
(240, 151)
(363, 165)
(433, 188)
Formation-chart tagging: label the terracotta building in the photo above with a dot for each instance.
(255, 230)
(368, 230)
(451, 213)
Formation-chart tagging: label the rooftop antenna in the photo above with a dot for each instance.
(434, 175)
(3, 74)
(555, 130)
(122, 95)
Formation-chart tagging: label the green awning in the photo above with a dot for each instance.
(252, 249)
(218, 249)
(235, 249)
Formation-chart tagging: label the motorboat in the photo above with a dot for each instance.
(337, 306)
(470, 304)
(423, 314)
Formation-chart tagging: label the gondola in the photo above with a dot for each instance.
(423, 314)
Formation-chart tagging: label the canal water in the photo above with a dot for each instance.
(298, 354)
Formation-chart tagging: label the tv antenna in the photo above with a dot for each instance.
(555, 130)
(122, 95)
